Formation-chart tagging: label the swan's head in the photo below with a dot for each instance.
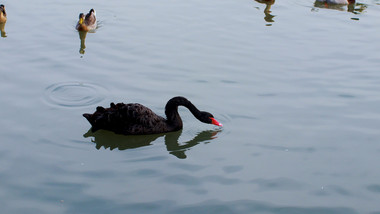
(209, 118)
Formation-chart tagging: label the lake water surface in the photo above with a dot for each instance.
(296, 85)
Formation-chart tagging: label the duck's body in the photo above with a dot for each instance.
(3, 14)
(337, 1)
(88, 22)
(136, 119)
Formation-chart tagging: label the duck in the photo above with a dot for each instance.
(88, 22)
(337, 1)
(136, 119)
(3, 14)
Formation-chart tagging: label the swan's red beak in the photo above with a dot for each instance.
(215, 122)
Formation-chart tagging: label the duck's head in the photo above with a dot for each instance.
(81, 18)
(2, 9)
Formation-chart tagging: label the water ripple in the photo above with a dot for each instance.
(74, 94)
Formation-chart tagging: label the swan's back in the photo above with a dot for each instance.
(132, 118)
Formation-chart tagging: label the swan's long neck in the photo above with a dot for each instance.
(171, 111)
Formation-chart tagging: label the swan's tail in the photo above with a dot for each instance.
(92, 122)
(88, 117)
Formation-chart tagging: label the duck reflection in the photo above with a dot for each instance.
(3, 20)
(82, 37)
(2, 31)
(268, 16)
(107, 139)
(342, 5)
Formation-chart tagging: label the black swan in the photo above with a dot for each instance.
(136, 119)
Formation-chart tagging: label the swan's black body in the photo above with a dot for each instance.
(136, 119)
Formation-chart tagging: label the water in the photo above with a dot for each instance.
(296, 86)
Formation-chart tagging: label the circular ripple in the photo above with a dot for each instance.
(74, 94)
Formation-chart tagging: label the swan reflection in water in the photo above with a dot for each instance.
(349, 6)
(268, 16)
(108, 139)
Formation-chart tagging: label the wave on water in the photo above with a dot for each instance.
(74, 94)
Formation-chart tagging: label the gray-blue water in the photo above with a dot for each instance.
(296, 85)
